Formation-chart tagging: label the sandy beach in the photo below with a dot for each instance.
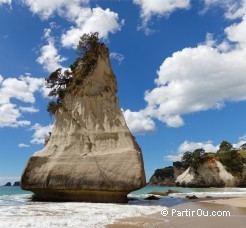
(230, 212)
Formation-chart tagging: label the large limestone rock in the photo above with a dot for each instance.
(91, 155)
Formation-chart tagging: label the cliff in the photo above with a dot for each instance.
(163, 177)
(209, 173)
(91, 154)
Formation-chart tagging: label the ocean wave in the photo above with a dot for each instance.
(53, 215)
(213, 194)
(8, 200)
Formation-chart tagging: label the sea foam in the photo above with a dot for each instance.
(52, 215)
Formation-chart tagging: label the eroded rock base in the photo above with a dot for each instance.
(51, 195)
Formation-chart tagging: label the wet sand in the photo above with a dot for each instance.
(234, 210)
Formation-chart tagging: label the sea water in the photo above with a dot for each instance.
(17, 210)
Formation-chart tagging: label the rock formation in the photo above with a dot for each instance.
(210, 174)
(91, 154)
(163, 177)
(8, 184)
(17, 183)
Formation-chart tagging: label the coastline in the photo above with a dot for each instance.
(235, 206)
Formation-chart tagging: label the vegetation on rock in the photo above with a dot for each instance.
(232, 159)
(225, 146)
(61, 82)
(193, 159)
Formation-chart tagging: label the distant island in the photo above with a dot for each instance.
(8, 184)
(225, 168)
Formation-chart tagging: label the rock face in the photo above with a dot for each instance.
(163, 177)
(210, 174)
(91, 155)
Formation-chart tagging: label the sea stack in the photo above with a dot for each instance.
(91, 154)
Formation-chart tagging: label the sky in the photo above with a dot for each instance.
(180, 67)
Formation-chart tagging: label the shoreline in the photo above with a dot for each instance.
(234, 206)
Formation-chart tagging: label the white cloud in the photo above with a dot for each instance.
(50, 59)
(138, 122)
(47, 8)
(92, 20)
(242, 140)
(9, 116)
(201, 78)
(40, 133)
(22, 145)
(234, 8)
(159, 8)
(83, 18)
(5, 2)
(191, 146)
(23, 89)
(117, 56)
(30, 109)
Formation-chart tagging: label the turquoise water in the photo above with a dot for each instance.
(13, 196)
(16, 209)
(16, 196)
(200, 192)
(12, 191)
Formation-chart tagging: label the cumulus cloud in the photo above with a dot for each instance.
(9, 116)
(46, 8)
(138, 122)
(22, 145)
(201, 78)
(191, 146)
(22, 89)
(158, 8)
(49, 58)
(117, 56)
(207, 146)
(83, 18)
(92, 20)
(40, 133)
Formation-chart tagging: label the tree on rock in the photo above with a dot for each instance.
(62, 81)
(225, 147)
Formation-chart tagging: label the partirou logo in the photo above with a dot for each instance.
(193, 213)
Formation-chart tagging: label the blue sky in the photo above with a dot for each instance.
(180, 67)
